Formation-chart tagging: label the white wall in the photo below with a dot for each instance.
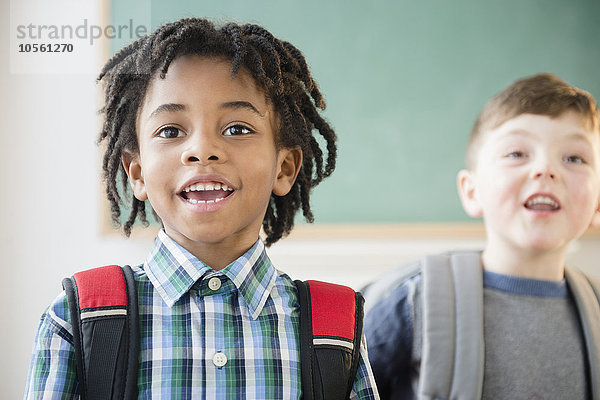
(49, 208)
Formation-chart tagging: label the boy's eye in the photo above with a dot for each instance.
(237, 130)
(169, 132)
(574, 160)
(515, 154)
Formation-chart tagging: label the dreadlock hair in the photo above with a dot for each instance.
(277, 66)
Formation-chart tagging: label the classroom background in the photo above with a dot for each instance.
(403, 82)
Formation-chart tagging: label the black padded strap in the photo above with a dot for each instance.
(106, 334)
(71, 292)
(358, 329)
(306, 341)
(133, 330)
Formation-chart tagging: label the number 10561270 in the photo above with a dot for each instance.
(45, 48)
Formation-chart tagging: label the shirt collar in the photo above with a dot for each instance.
(525, 286)
(173, 271)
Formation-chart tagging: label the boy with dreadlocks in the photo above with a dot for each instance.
(214, 127)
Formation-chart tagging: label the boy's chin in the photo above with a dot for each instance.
(529, 243)
(210, 235)
(542, 243)
(198, 237)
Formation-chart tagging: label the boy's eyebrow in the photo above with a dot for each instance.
(520, 131)
(581, 136)
(174, 107)
(241, 104)
(168, 107)
(574, 135)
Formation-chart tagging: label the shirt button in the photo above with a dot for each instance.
(214, 283)
(219, 359)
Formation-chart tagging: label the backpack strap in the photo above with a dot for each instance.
(453, 345)
(586, 291)
(331, 319)
(104, 316)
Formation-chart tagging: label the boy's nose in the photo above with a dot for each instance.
(201, 150)
(544, 173)
(544, 170)
(192, 158)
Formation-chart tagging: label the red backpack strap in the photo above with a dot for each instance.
(331, 319)
(104, 315)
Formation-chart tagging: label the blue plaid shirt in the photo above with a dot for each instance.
(229, 334)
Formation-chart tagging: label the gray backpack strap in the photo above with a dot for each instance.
(586, 292)
(453, 347)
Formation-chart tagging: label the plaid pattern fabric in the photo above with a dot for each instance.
(229, 334)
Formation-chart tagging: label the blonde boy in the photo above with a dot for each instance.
(533, 174)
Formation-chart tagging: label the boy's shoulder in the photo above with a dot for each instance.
(434, 269)
(56, 319)
(391, 282)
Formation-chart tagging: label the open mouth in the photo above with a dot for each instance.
(542, 203)
(206, 192)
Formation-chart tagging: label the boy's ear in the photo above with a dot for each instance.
(596, 217)
(289, 161)
(467, 193)
(133, 168)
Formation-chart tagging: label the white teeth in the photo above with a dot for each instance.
(542, 200)
(194, 201)
(207, 186)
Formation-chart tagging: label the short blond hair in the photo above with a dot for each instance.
(541, 94)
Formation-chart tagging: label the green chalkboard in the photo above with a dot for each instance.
(404, 81)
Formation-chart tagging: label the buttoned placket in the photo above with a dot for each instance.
(216, 357)
(219, 358)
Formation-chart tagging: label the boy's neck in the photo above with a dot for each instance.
(218, 259)
(533, 264)
(216, 255)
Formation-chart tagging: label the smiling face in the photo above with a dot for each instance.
(536, 182)
(207, 160)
